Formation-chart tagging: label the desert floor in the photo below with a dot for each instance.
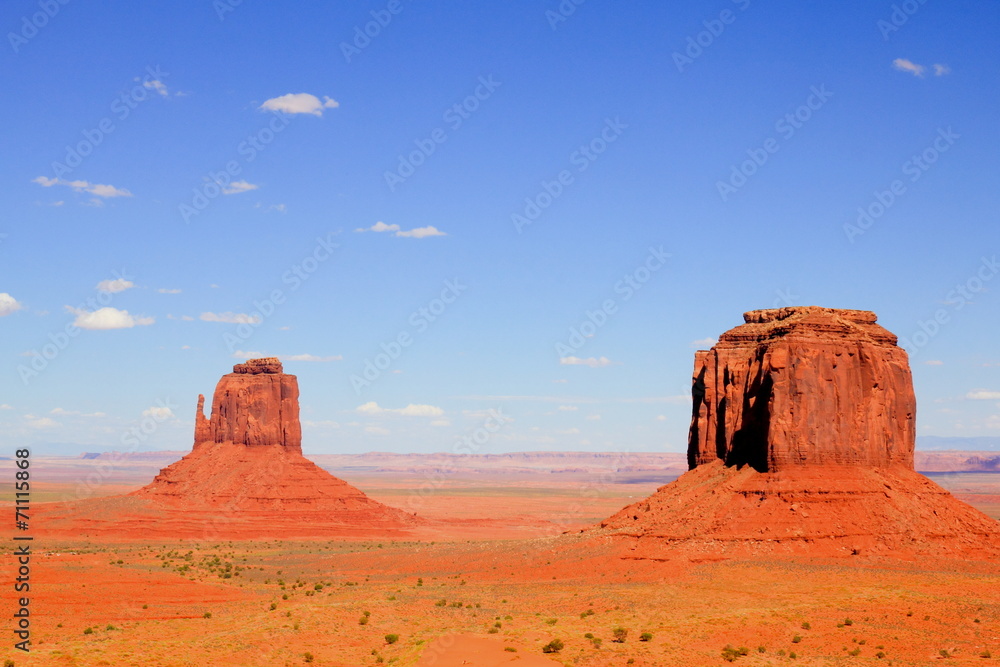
(493, 585)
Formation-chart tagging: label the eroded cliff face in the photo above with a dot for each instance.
(255, 405)
(803, 386)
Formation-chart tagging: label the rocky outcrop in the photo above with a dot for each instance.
(256, 405)
(801, 443)
(803, 386)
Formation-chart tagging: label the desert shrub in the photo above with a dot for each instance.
(855, 652)
(909, 613)
(274, 605)
(551, 621)
(553, 646)
(619, 634)
(796, 639)
(848, 621)
(927, 618)
(880, 655)
(8, 663)
(207, 614)
(440, 603)
(308, 657)
(391, 639)
(363, 620)
(985, 654)
(510, 649)
(792, 655)
(110, 627)
(646, 636)
(88, 631)
(585, 614)
(597, 641)
(944, 654)
(806, 626)
(729, 654)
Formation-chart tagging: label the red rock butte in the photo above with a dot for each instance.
(801, 442)
(245, 477)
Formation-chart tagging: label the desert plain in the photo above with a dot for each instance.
(498, 573)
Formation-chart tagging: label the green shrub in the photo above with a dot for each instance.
(944, 654)
(551, 621)
(792, 655)
(848, 621)
(646, 636)
(880, 654)
(619, 634)
(796, 639)
(806, 626)
(761, 649)
(207, 614)
(391, 639)
(553, 646)
(88, 631)
(440, 603)
(985, 654)
(363, 620)
(510, 649)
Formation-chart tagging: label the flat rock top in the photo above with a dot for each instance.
(812, 322)
(267, 365)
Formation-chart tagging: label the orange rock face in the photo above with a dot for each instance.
(257, 404)
(803, 386)
(801, 443)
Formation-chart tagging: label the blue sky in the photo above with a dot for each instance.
(192, 166)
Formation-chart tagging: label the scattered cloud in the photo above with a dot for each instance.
(983, 395)
(934, 362)
(703, 343)
(568, 408)
(661, 418)
(96, 189)
(6, 407)
(236, 187)
(321, 424)
(411, 410)
(229, 318)
(299, 103)
(115, 286)
(158, 412)
(569, 431)
(166, 290)
(592, 362)
(280, 208)
(157, 85)
(593, 418)
(107, 318)
(40, 422)
(440, 422)
(9, 304)
(941, 70)
(421, 232)
(75, 413)
(904, 65)
(559, 381)
(417, 233)
(377, 430)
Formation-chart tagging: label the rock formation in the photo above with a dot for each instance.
(803, 386)
(801, 441)
(245, 476)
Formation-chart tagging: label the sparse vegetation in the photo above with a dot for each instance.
(553, 646)
(207, 614)
(619, 634)
(730, 654)
(308, 657)
(391, 639)
(796, 639)
(806, 625)
(646, 636)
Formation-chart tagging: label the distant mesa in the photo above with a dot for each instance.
(801, 442)
(245, 476)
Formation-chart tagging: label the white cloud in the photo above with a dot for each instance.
(421, 232)
(114, 286)
(236, 187)
(661, 418)
(379, 227)
(941, 70)
(593, 418)
(703, 343)
(417, 233)
(377, 430)
(43, 422)
(934, 362)
(440, 422)
(592, 362)
(321, 424)
(411, 410)
(107, 318)
(299, 103)
(229, 317)
(158, 412)
(156, 85)
(8, 304)
(166, 290)
(983, 395)
(904, 65)
(559, 381)
(308, 357)
(85, 186)
(74, 413)
(568, 408)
